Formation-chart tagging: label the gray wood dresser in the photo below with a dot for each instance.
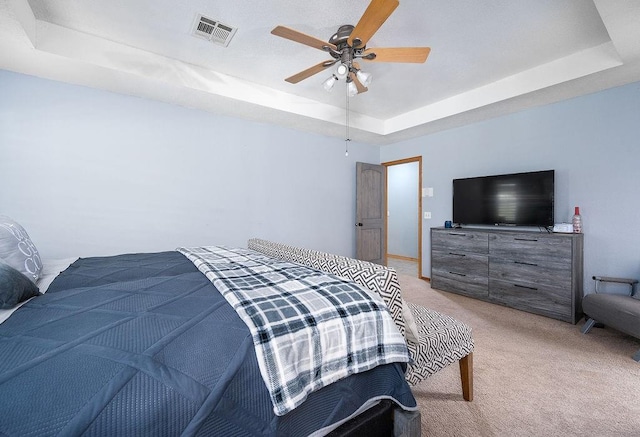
(537, 272)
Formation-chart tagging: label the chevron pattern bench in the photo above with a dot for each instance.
(434, 340)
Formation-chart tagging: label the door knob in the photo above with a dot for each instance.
(358, 224)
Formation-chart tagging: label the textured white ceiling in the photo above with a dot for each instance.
(487, 58)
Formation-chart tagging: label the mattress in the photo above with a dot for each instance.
(145, 344)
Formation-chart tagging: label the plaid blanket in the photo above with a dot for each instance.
(309, 328)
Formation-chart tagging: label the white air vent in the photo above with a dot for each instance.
(213, 30)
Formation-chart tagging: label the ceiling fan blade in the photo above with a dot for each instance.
(361, 88)
(302, 38)
(377, 13)
(416, 55)
(310, 71)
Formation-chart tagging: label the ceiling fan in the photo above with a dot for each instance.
(349, 43)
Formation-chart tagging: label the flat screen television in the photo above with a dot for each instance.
(518, 199)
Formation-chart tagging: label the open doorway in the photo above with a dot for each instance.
(404, 206)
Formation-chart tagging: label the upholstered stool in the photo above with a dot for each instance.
(443, 340)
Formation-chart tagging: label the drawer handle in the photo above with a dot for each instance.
(522, 286)
(457, 274)
(457, 234)
(457, 254)
(525, 264)
(525, 239)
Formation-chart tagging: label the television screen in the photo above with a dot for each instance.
(519, 199)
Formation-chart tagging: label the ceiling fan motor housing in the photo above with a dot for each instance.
(340, 37)
(345, 52)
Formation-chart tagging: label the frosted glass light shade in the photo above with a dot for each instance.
(364, 78)
(352, 90)
(329, 83)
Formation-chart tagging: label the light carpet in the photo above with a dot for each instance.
(533, 376)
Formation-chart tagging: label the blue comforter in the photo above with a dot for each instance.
(144, 344)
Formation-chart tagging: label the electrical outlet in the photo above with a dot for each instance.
(427, 215)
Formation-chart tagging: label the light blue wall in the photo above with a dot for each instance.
(593, 144)
(402, 205)
(89, 172)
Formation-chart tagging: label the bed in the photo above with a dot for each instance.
(147, 344)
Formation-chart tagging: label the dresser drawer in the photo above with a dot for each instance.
(554, 274)
(455, 284)
(539, 249)
(548, 301)
(465, 241)
(460, 263)
(460, 273)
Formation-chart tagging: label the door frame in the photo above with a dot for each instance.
(386, 165)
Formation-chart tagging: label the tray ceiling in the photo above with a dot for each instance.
(487, 58)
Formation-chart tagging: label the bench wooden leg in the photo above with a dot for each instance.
(466, 375)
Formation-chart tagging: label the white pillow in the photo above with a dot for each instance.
(410, 325)
(17, 249)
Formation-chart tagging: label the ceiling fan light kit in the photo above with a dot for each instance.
(342, 70)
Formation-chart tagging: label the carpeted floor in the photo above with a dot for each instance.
(533, 376)
(403, 266)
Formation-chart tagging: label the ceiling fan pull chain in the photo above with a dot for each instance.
(347, 139)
